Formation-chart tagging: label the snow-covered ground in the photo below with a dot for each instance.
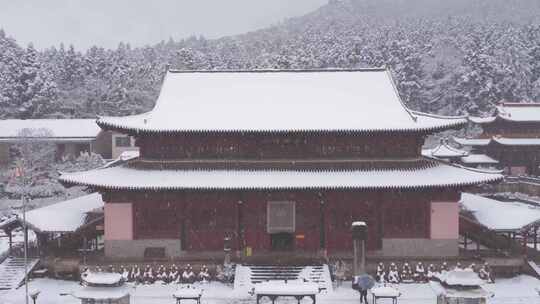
(518, 290)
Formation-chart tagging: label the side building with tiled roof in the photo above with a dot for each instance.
(511, 137)
(70, 138)
(280, 161)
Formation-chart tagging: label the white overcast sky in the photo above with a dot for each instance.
(139, 22)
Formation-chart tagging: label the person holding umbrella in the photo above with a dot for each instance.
(363, 283)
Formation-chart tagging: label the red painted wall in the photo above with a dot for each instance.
(204, 218)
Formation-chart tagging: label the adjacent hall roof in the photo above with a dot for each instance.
(500, 216)
(66, 216)
(504, 141)
(472, 141)
(478, 159)
(514, 112)
(60, 129)
(435, 174)
(364, 100)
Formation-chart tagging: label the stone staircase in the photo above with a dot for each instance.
(249, 275)
(12, 272)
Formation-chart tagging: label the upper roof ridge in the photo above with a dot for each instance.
(375, 69)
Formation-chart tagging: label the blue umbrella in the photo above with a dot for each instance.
(364, 281)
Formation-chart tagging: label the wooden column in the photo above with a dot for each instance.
(322, 226)
(26, 237)
(535, 235)
(10, 235)
(239, 225)
(525, 236)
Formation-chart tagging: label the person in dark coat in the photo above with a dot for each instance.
(363, 292)
(363, 295)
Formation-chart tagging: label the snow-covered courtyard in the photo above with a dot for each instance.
(521, 289)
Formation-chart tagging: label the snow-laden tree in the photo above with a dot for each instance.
(34, 164)
(10, 57)
(85, 161)
(34, 92)
(447, 56)
(37, 165)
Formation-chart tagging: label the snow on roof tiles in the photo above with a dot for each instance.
(519, 112)
(478, 159)
(279, 101)
(498, 215)
(505, 141)
(472, 141)
(514, 112)
(66, 216)
(129, 178)
(74, 129)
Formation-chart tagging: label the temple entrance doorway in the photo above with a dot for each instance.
(282, 241)
(281, 225)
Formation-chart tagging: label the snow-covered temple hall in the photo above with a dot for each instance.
(510, 137)
(280, 161)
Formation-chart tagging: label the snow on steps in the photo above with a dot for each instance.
(12, 272)
(247, 276)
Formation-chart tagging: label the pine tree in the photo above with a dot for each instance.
(36, 92)
(10, 61)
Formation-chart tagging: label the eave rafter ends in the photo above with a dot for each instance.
(438, 175)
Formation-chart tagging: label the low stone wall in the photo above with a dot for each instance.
(134, 249)
(419, 248)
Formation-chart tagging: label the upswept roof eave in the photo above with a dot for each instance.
(445, 150)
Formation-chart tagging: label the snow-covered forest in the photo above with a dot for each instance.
(448, 57)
